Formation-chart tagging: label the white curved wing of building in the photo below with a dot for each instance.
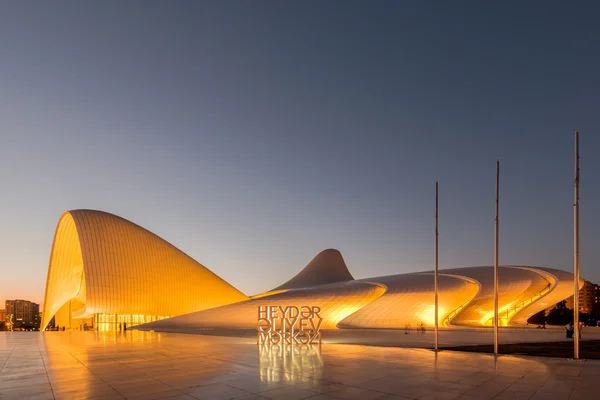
(395, 301)
(105, 270)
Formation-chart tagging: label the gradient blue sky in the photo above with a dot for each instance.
(254, 134)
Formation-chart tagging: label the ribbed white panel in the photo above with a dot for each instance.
(64, 281)
(514, 286)
(127, 270)
(561, 289)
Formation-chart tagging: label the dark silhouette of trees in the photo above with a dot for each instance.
(560, 314)
(538, 319)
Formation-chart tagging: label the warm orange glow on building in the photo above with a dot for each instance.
(105, 271)
(336, 302)
(408, 301)
(392, 302)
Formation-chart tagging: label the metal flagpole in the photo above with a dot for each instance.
(576, 250)
(436, 267)
(496, 260)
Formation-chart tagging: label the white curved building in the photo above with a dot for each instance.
(105, 271)
(395, 301)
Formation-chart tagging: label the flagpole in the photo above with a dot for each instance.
(576, 251)
(436, 268)
(496, 260)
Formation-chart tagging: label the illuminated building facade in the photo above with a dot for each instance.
(22, 314)
(106, 271)
(589, 295)
(393, 302)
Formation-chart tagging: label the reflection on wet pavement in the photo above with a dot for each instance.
(149, 365)
(289, 362)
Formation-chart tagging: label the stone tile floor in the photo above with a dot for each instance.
(448, 337)
(148, 365)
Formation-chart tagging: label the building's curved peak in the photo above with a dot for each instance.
(327, 267)
(82, 214)
(79, 215)
(88, 211)
(101, 263)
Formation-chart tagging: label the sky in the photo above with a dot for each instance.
(252, 135)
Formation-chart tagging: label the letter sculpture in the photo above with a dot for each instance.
(289, 325)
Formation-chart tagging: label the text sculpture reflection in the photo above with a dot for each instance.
(289, 325)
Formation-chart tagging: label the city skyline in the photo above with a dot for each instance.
(251, 143)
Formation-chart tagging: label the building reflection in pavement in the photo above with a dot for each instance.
(289, 363)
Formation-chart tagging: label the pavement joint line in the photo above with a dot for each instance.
(7, 358)
(46, 370)
(126, 355)
(92, 372)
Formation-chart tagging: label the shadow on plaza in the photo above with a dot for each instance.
(587, 349)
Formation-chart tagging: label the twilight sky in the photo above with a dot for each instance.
(253, 134)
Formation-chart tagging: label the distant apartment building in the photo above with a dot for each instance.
(589, 295)
(22, 314)
(3, 320)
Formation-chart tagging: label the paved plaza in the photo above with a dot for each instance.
(149, 365)
(414, 338)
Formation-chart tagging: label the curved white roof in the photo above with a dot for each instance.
(105, 264)
(396, 301)
(327, 267)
